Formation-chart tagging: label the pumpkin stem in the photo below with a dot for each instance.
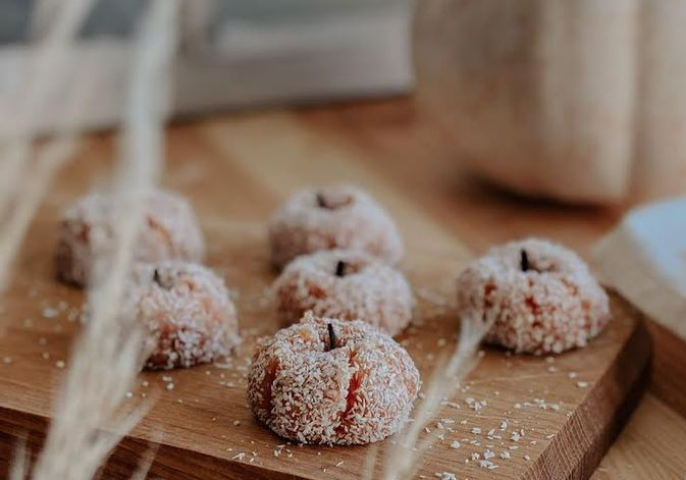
(158, 280)
(321, 200)
(332, 336)
(524, 262)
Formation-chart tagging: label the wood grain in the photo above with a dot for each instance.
(650, 447)
(669, 370)
(235, 179)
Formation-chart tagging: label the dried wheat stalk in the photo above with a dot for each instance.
(19, 466)
(23, 178)
(403, 461)
(46, 62)
(89, 419)
(43, 168)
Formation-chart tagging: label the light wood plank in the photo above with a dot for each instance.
(650, 447)
(295, 157)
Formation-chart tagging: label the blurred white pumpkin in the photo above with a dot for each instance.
(583, 100)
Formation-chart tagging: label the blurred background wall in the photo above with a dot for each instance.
(118, 17)
(241, 53)
(579, 101)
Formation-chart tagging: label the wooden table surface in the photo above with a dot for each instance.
(399, 145)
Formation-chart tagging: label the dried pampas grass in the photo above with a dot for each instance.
(20, 464)
(89, 418)
(47, 162)
(46, 62)
(403, 461)
(26, 173)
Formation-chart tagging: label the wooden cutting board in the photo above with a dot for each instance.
(565, 410)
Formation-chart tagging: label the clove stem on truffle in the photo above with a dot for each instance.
(524, 261)
(340, 268)
(158, 280)
(321, 200)
(332, 336)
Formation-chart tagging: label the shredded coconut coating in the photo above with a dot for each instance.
(553, 306)
(358, 391)
(170, 231)
(338, 216)
(188, 312)
(367, 289)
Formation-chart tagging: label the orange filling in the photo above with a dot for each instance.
(351, 398)
(266, 387)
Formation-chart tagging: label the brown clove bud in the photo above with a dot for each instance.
(524, 262)
(321, 200)
(158, 280)
(332, 336)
